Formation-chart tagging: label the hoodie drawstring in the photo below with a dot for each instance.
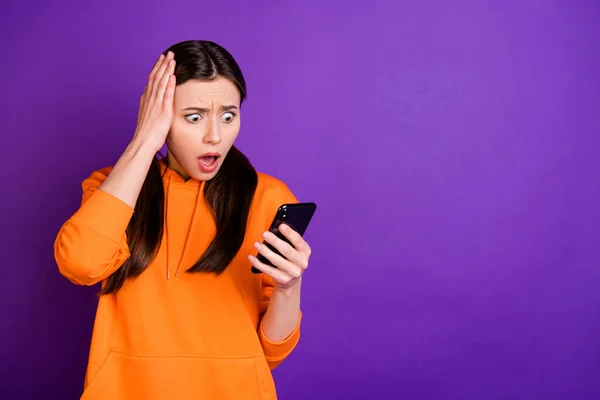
(190, 227)
(167, 224)
(187, 236)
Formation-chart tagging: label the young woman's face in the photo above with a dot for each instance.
(206, 122)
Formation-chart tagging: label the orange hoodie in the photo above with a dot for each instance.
(169, 334)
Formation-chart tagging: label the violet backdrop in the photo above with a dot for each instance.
(451, 147)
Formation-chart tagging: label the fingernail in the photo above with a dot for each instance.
(266, 235)
(283, 228)
(257, 245)
(251, 258)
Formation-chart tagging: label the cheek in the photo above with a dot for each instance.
(180, 133)
(232, 131)
(178, 141)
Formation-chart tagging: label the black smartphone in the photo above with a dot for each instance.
(297, 216)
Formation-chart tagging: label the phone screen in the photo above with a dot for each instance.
(296, 216)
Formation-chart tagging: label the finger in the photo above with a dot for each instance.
(143, 104)
(165, 81)
(295, 239)
(286, 249)
(170, 92)
(159, 74)
(281, 263)
(153, 73)
(140, 109)
(278, 275)
(143, 97)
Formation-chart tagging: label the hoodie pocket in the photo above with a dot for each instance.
(101, 380)
(264, 379)
(181, 377)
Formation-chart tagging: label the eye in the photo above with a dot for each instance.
(193, 118)
(228, 116)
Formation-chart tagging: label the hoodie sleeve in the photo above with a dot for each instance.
(92, 244)
(275, 352)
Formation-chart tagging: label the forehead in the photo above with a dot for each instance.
(205, 93)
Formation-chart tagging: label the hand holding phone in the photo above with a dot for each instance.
(295, 215)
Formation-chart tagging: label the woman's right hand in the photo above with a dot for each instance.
(156, 104)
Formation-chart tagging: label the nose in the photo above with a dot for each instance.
(212, 134)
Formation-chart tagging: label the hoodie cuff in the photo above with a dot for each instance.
(105, 214)
(276, 352)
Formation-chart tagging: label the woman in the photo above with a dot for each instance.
(180, 314)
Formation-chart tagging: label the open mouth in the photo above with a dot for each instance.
(208, 161)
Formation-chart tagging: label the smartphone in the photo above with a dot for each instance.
(295, 215)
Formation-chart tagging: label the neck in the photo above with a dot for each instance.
(175, 166)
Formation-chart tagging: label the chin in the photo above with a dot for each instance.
(201, 176)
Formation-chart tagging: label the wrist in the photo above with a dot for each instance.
(288, 291)
(141, 145)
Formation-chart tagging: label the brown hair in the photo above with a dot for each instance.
(229, 194)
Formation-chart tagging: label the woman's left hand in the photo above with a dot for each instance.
(289, 269)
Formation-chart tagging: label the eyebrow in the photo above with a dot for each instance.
(201, 109)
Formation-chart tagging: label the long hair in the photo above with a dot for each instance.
(229, 194)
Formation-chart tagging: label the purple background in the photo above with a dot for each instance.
(456, 246)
